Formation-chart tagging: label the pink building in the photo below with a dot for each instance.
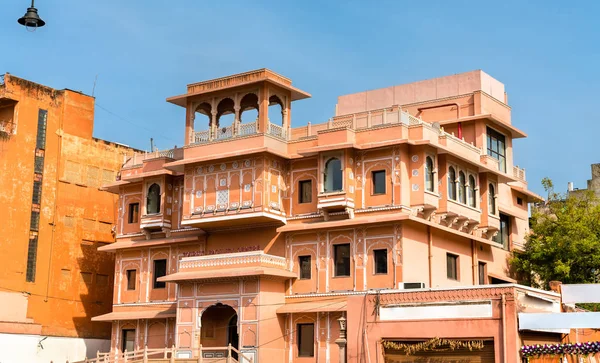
(261, 235)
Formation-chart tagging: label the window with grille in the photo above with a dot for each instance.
(36, 198)
(305, 267)
(305, 188)
(496, 147)
(34, 222)
(381, 263)
(39, 164)
(222, 196)
(41, 130)
(31, 257)
(37, 192)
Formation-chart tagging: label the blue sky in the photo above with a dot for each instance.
(545, 52)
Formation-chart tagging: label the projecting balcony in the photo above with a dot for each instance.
(237, 130)
(233, 214)
(490, 224)
(154, 222)
(219, 265)
(333, 202)
(461, 216)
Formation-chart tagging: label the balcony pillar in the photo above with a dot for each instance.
(236, 121)
(213, 125)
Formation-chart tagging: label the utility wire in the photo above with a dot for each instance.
(152, 132)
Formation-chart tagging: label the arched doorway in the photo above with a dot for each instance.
(219, 327)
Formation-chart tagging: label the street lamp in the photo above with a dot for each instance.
(31, 19)
(341, 341)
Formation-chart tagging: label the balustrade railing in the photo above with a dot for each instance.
(201, 136)
(519, 173)
(248, 128)
(224, 133)
(276, 130)
(139, 158)
(231, 259)
(170, 355)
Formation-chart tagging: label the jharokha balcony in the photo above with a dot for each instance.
(210, 265)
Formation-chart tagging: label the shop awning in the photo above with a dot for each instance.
(227, 273)
(313, 306)
(138, 314)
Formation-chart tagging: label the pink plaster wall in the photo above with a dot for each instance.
(421, 91)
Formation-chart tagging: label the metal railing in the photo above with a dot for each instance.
(169, 355)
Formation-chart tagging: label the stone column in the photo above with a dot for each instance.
(236, 121)
(286, 127)
(341, 341)
(212, 132)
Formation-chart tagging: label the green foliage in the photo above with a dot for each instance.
(564, 241)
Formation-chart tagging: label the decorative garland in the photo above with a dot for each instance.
(557, 349)
(435, 344)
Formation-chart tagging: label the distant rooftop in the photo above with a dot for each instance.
(421, 91)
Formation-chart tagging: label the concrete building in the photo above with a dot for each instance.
(55, 217)
(261, 235)
(592, 184)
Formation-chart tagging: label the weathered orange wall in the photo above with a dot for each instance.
(73, 281)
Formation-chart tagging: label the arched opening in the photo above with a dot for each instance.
(203, 121)
(219, 328)
(492, 199)
(451, 183)
(248, 114)
(471, 191)
(462, 188)
(429, 174)
(225, 118)
(333, 176)
(276, 110)
(153, 199)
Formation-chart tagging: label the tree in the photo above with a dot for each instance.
(564, 241)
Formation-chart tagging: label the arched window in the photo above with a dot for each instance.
(462, 188)
(429, 174)
(452, 183)
(471, 192)
(492, 199)
(333, 175)
(153, 199)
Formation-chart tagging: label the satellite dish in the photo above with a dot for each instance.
(436, 125)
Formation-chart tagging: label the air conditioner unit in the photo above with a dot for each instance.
(411, 285)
